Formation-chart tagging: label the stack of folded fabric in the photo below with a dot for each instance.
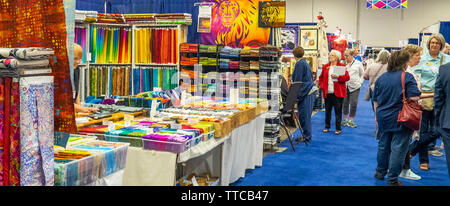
(224, 63)
(254, 65)
(269, 65)
(188, 60)
(139, 18)
(86, 16)
(207, 48)
(22, 60)
(110, 18)
(244, 65)
(254, 52)
(270, 51)
(174, 18)
(225, 52)
(234, 52)
(245, 52)
(234, 64)
(188, 48)
(208, 61)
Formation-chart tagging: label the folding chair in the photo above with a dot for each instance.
(288, 111)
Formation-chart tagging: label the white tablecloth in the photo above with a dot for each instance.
(227, 157)
(242, 150)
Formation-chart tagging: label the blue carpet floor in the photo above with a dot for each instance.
(348, 159)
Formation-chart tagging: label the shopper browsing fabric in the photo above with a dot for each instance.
(442, 108)
(334, 89)
(415, 52)
(78, 55)
(356, 72)
(393, 136)
(302, 74)
(428, 69)
(376, 69)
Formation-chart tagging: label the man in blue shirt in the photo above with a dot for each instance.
(302, 74)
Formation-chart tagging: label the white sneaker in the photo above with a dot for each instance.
(436, 153)
(408, 174)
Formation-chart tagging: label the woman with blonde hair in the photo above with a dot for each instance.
(356, 71)
(428, 69)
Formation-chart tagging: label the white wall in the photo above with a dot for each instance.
(372, 27)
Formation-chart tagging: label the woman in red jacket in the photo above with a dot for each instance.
(334, 90)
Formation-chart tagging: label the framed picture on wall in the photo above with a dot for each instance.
(289, 39)
(308, 38)
(272, 13)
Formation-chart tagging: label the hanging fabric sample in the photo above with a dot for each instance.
(110, 45)
(156, 45)
(14, 135)
(43, 25)
(235, 24)
(80, 39)
(36, 131)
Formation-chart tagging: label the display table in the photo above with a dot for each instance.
(226, 157)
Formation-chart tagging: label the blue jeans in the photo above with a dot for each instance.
(428, 135)
(446, 139)
(305, 108)
(392, 149)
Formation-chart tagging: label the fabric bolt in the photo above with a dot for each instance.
(31, 53)
(6, 129)
(36, 131)
(2, 116)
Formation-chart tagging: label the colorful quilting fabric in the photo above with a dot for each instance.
(156, 45)
(6, 126)
(2, 116)
(42, 25)
(387, 4)
(36, 131)
(14, 136)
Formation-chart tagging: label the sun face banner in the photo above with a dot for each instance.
(235, 23)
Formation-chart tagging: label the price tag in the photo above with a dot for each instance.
(176, 126)
(88, 57)
(127, 123)
(111, 126)
(194, 181)
(234, 96)
(105, 122)
(192, 120)
(149, 131)
(183, 98)
(157, 89)
(155, 105)
(128, 117)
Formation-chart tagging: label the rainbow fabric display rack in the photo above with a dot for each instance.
(128, 54)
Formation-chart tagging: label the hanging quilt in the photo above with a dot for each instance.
(36, 131)
(387, 4)
(289, 39)
(42, 24)
(272, 14)
(235, 24)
